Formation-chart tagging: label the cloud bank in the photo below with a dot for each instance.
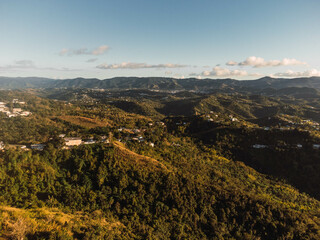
(130, 65)
(258, 62)
(290, 73)
(84, 51)
(223, 72)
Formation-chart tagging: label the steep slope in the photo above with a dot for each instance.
(52, 223)
(204, 196)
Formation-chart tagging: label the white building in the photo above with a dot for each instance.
(39, 147)
(73, 141)
(10, 115)
(16, 110)
(25, 114)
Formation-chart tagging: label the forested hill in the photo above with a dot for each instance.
(27, 82)
(144, 174)
(158, 83)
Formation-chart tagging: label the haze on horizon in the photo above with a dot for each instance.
(206, 39)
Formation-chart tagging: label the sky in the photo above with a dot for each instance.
(240, 39)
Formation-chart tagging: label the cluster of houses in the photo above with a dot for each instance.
(69, 143)
(210, 118)
(303, 122)
(135, 134)
(15, 111)
(76, 141)
(288, 125)
(298, 123)
(259, 146)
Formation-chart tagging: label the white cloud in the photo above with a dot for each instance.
(224, 72)
(258, 62)
(130, 65)
(84, 51)
(100, 50)
(290, 73)
(231, 63)
(253, 61)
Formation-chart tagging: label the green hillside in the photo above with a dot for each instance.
(188, 193)
(178, 166)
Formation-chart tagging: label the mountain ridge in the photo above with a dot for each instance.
(158, 83)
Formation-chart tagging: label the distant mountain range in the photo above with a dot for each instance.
(159, 83)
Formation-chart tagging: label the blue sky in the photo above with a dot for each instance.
(174, 38)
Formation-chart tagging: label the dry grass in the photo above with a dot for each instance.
(16, 223)
(84, 121)
(139, 159)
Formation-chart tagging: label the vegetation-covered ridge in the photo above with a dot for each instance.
(158, 83)
(201, 196)
(154, 165)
